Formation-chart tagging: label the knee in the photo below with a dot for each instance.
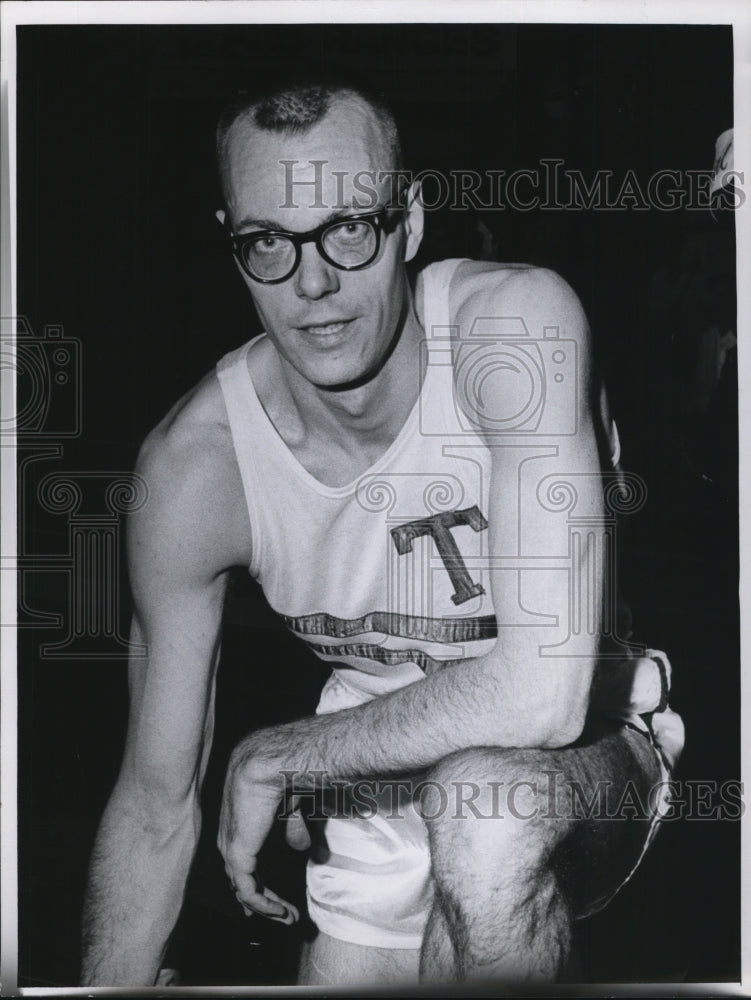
(463, 785)
(491, 806)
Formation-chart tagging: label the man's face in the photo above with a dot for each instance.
(333, 326)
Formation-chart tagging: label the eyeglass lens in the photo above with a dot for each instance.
(350, 244)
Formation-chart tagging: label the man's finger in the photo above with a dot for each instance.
(254, 900)
(292, 913)
(268, 904)
(296, 833)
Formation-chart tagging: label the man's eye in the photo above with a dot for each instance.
(268, 244)
(352, 231)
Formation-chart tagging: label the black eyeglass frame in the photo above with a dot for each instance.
(378, 220)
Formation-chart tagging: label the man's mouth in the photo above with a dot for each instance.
(325, 329)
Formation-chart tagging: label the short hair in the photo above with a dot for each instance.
(296, 108)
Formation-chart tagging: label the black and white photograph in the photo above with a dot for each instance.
(371, 610)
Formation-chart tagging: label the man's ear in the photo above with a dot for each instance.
(414, 220)
(221, 215)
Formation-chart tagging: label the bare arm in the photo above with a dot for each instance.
(149, 831)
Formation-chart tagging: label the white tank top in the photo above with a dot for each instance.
(385, 578)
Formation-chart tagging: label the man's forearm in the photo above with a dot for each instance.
(136, 885)
(467, 704)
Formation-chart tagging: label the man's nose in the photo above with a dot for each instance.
(314, 277)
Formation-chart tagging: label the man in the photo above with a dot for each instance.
(382, 463)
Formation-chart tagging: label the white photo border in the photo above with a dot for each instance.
(651, 12)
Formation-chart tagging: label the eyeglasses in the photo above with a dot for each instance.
(349, 243)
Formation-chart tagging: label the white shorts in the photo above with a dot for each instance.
(375, 887)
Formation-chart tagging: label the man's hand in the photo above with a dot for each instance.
(631, 686)
(250, 803)
(640, 685)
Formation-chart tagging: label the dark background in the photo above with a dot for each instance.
(117, 243)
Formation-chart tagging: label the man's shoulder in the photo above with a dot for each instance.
(193, 435)
(189, 466)
(526, 309)
(538, 295)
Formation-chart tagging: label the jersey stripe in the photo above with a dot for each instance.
(389, 657)
(444, 630)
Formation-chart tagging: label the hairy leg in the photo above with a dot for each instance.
(327, 961)
(438, 959)
(516, 858)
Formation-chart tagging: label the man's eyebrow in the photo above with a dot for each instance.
(258, 224)
(340, 213)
